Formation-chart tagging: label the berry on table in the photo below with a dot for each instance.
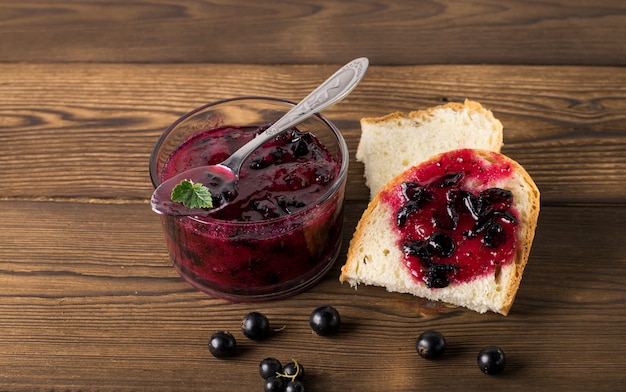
(281, 379)
(325, 320)
(294, 386)
(222, 344)
(491, 360)
(255, 326)
(293, 370)
(270, 367)
(431, 344)
(274, 384)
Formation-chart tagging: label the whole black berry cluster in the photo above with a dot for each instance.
(431, 344)
(279, 378)
(324, 321)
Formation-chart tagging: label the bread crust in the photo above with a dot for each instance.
(525, 191)
(423, 114)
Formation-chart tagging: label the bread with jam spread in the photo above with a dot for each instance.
(457, 228)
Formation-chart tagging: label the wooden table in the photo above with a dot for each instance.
(89, 300)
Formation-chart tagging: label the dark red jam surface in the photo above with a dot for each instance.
(283, 176)
(454, 227)
(260, 241)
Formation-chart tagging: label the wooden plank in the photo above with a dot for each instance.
(89, 301)
(396, 32)
(85, 131)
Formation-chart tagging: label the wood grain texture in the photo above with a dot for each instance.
(90, 302)
(396, 32)
(86, 131)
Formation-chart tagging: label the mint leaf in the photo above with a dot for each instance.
(192, 195)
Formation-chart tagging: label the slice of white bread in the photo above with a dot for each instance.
(391, 144)
(376, 256)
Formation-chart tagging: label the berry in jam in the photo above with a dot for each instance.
(451, 228)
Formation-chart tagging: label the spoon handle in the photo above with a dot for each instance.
(331, 91)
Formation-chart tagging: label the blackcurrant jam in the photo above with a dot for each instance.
(453, 228)
(283, 231)
(281, 177)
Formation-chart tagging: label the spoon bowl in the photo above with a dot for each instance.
(219, 179)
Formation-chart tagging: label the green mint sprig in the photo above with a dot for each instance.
(192, 195)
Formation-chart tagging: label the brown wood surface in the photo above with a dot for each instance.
(89, 300)
(396, 32)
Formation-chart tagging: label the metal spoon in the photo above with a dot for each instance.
(221, 179)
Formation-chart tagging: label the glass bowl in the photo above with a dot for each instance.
(254, 259)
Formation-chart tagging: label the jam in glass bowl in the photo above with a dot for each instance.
(283, 232)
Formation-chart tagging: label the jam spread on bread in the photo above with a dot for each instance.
(453, 228)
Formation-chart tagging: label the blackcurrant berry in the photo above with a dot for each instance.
(255, 326)
(222, 344)
(494, 236)
(294, 370)
(274, 384)
(491, 360)
(294, 386)
(269, 367)
(325, 320)
(442, 243)
(431, 344)
(417, 248)
(447, 180)
(413, 191)
(404, 212)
